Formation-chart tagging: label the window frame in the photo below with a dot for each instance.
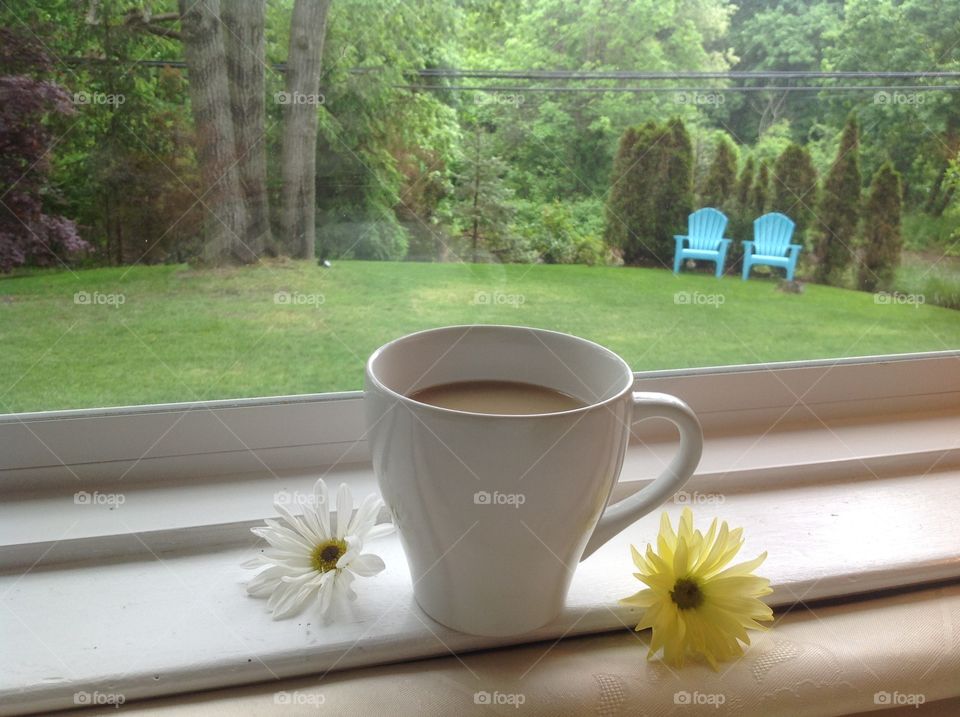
(178, 440)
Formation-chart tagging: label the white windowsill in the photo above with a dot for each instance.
(148, 599)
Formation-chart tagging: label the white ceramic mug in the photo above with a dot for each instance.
(495, 511)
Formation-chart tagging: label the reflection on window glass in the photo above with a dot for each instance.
(215, 200)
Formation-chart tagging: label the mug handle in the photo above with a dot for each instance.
(618, 516)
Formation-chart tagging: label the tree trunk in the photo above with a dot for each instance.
(204, 52)
(246, 60)
(299, 154)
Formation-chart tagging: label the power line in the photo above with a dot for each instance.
(694, 90)
(578, 76)
(684, 74)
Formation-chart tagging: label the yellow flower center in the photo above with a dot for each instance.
(325, 556)
(686, 594)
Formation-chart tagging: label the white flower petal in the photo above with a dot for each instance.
(328, 584)
(367, 565)
(280, 597)
(380, 530)
(354, 546)
(344, 509)
(303, 539)
(279, 555)
(266, 581)
(293, 520)
(312, 522)
(282, 541)
(302, 579)
(365, 516)
(346, 594)
(293, 604)
(322, 501)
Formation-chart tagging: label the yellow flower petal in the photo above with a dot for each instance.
(644, 598)
(667, 539)
(720, 603)
(743, 568)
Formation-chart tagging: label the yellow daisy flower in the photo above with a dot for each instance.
(693, 602)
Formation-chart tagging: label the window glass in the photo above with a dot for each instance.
(215, 200)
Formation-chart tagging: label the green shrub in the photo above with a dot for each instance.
(795, 187)
(720, 185)
(761, 190)
(942, 292)
(923, 232)
(745, 184)
(882, 240)
(558, 232)
(839, 211)
(651, 192)
(674, 193)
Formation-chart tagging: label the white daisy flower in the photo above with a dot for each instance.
(309, 555)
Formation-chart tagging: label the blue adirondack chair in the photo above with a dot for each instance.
(771, 244)
(704, 239)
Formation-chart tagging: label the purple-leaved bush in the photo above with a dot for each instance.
(28, 235)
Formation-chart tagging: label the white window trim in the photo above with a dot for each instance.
(286, 432)
(809, 437)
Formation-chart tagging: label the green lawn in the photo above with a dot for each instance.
(182, 334)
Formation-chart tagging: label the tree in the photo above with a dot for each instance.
(482, 197)
(651, 192)
(745, 184)
(631, 206)
(721, 180)
(742, 215)
(205, 55)
(298, 159)
(29, 235)
(245, 48)
(839, 211)
(615, 231)
(562, 145)
(882, 240)
(795, 186)
(674, 188)
(918, 131)
(779, 35)
(759, 194)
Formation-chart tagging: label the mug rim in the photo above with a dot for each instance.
(402, 398)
